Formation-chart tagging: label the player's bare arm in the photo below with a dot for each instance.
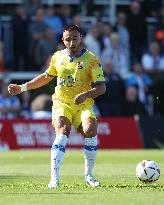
(99, 89)
(35, 83)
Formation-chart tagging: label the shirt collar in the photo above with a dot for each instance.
(77, 56)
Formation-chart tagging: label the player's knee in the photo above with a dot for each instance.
(65, 130)
(62, 126)
(89, 132)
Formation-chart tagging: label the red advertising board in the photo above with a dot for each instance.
(113, 133)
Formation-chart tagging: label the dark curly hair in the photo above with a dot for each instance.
(72, 28)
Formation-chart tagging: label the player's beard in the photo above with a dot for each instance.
(75, 50)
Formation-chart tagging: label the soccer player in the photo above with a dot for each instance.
(79, 79)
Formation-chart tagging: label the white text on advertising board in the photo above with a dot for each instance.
(103, 128)
(33, 133)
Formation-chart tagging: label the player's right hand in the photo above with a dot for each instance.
(14, 89)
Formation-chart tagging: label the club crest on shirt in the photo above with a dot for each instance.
(80, 65)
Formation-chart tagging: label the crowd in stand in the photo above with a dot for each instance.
(129, 61)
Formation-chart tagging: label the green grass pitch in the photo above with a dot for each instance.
(24, 176)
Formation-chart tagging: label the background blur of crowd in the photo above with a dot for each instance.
(131, 51)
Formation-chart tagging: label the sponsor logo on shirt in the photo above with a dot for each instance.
(80, 65)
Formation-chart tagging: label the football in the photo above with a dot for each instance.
(148, 171)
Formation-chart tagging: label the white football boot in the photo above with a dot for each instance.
(53, 184)
(90, 180)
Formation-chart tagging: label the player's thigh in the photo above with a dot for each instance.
(61, 119)
(88, 126)
(62, 125)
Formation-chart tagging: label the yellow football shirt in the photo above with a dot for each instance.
(75, 74)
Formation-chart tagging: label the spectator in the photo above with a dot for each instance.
(117, 56)
(122, 30)
(153, 61)
(41, 107)
(99, 24)
(20, 26)
(76, 20)
(47, 63)
(53, 21)
(66, 15)
(109, 103)
(91, 41)
(100, 27)
(96, 110)
(45, 47)
(32, 6)
(137, 26)
(142, 81)
(106, 34)
(25, 105)
(37, 31)
(4, 58)
(59, 46)
(131, 105)
(9, 105)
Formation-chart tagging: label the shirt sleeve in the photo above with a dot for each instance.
(97, 72)
(52, 69)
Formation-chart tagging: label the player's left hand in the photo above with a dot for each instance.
(80, 98)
